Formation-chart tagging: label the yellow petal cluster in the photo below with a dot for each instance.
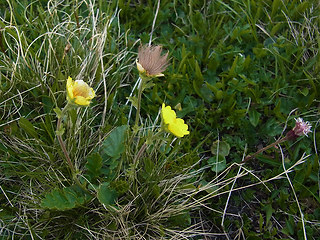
(79, 92)
(174, 125)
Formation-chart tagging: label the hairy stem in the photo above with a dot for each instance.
(281, 140)
(63, 147)
(140, 89)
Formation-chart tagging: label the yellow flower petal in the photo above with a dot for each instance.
(70, 83)
(178, 128)
(172, 124)
(79, 92)
(81, 101)
(168, 115)
(157, 75)
(139, 67)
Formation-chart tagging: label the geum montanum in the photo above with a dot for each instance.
(79, 94)
(150, 64)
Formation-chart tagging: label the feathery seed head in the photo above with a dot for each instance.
(151, 62)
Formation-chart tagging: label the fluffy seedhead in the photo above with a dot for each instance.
(150, 60)
(301, 128)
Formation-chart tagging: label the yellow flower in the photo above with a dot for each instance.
(150, 61)
(79, 92)
(174, 125)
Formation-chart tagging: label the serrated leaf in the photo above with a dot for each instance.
(221, 148)
(113, 145)
(106, 195)
(28, 127)
(94, 164)
(66, 198)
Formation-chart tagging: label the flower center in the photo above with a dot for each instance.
(81, 89)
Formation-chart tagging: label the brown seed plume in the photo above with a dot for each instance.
(151, 60)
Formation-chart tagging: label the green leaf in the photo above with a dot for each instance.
(120, 186)
(60, 132)
(213, 88)
(133, 100)
(182, 220)
(113, 145)
(221, 148)
(208, 188)
(304, 91)
(148, 165)
(28, 127)
(268, 160)
(218, 163)
(198, 73)
(260, 52)
(232, 71)
(290, 225)
(198, 78)
(276, 28)
(94, 164)
(58, 111)
(269, 211)
(260, 222)
(66, 198)
(197, 88)
(148, 84)
(106, 195)
(254, 117)
(276, 5)
(47, 104)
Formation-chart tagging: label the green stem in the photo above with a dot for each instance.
(139, 101)
(63, 147)
(281, 140)
(139, 154)
(144, 147)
